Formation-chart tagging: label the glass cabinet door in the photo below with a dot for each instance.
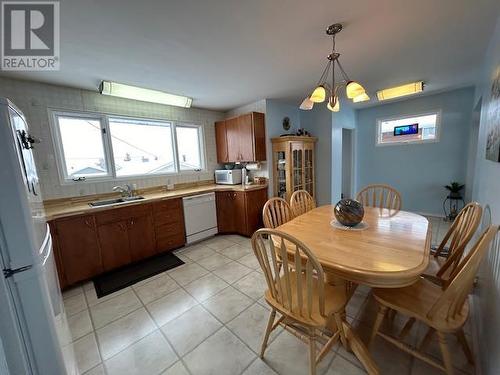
(281, 173)
(297, 167)
(309, 170)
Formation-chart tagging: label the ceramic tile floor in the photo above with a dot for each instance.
(207, 317)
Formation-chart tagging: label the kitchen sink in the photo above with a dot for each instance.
(109, 202)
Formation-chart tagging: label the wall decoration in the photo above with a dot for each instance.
(286, 123)
(493, 120)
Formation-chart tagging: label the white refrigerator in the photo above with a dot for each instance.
(34, 334)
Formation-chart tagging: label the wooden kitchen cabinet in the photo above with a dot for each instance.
(76, 248)
(169, 224)
(254, 203)
(88, 245)
(233, 140)
(240, 211)
(220, 140)
(141, 237)
(226, 215)
(241, 138)
(126, 235)
(113, 238)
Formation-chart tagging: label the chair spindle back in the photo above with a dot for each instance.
(462, 278)
(459, 235)
(304, 269)
(276, 211)
(301, 202)
(380, 196)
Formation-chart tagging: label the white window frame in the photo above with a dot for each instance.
(436, 112)
(108, 147)
(142, 175)
(59, 149)
(201, 147)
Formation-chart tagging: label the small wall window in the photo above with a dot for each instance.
(189, 147)
(97, 147)
(409, 129)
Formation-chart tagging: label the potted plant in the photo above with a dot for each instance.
(455, 188)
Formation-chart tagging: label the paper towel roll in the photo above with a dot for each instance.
(253, 166)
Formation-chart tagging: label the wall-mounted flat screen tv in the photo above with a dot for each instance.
(406, 129)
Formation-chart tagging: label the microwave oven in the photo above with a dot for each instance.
(228, 176)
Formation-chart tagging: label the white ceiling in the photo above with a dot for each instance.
(225, 53)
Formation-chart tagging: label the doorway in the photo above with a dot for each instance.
(347, 162)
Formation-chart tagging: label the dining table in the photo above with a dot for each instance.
(388, 249)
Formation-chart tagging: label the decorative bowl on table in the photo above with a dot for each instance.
(349, 212)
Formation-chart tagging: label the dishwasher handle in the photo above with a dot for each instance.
(198, 199)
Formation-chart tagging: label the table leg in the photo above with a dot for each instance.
(360, 351)
(353, 342)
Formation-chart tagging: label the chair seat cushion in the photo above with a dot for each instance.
(416, 300)
(335, 300)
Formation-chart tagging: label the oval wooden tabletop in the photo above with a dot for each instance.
(391, 252)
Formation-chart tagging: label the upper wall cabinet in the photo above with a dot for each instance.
(241, 138)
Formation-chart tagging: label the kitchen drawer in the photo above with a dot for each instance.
(166, 243)
(117, 214)
(169, 230)
(167, 205)
(169, 211)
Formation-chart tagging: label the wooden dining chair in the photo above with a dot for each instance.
(306, 303)
(276, 211)
(442, 310)
(380, 196)
(301, 202)
(447, 256)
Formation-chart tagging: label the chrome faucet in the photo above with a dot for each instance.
(126, 190)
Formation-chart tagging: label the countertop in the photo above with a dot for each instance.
(60, 208)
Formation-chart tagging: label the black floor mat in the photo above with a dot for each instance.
(123, 277)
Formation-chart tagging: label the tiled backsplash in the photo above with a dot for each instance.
(35, 99)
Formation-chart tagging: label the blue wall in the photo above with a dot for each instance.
(318, 122)
(486, 297)
(345, 119)
(276, 110)
(418, 171)
(327, 127)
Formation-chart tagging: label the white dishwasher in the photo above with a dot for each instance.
(200, 216)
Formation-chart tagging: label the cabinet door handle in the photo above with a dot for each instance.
(132, 221)
(89, 223)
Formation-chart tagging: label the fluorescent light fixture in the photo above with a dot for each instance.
(145, 95)
(403, 90)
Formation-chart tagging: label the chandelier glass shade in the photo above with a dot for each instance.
(323, 91)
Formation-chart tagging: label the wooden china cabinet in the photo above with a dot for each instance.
(293, 165)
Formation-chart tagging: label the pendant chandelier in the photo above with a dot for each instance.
(324, 91)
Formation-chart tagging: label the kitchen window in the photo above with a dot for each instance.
(81, 149)
(189, 147)
(101, 147)
(141, 147)
(421, 128)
